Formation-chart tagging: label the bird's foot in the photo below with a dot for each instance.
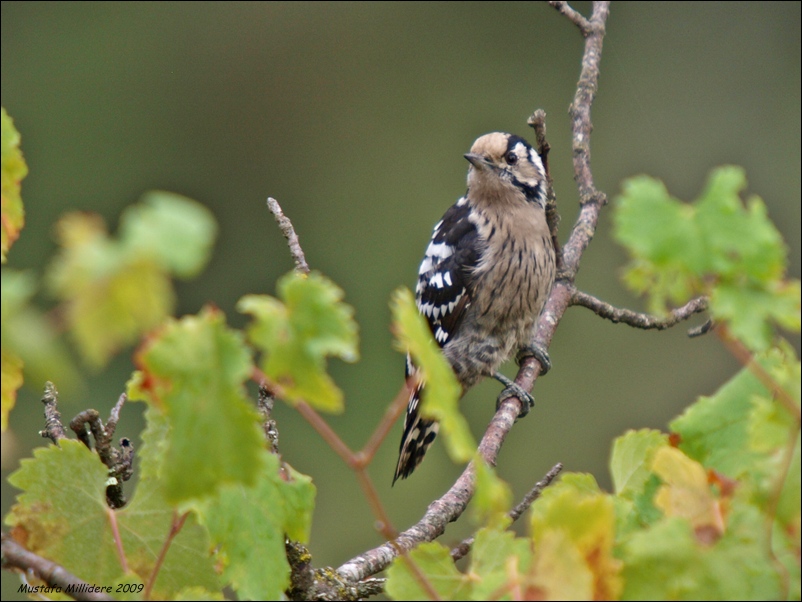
(537, 352)
(513, 389)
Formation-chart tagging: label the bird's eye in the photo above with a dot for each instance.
(511, 158)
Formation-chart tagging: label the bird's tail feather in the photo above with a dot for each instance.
(418, 436)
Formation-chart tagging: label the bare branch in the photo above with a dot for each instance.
(462, 550)
(289, 233)
(702, 329)
(451, 505)
(54, 430)
(119, 462)
(56, 576)
(440, 512)
(265, 404)
(636, 319)
(538, 123)
(576, 18)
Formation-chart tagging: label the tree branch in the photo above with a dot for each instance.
(576, 18)
(635, 319)
(462, 549)
(55, 575)
(538, 123)
(289, 233)
(451, 505)
(54, 430)
(119, 462)
(440, 512)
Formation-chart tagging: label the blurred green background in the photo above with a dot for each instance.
(355, 117)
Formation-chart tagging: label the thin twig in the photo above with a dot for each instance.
(119, 462)
(326, 432)
(265, 404)
(175, 528)
(391, 414)
(581, 22)
(702, 329)
(289, 233)
(92, 419)
(54, 429)
(463, 548)
(745, 357)
(118, 540)
(538, 123)
(15, 556)
(618, 315)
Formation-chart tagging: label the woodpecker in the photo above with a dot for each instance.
(484, 278)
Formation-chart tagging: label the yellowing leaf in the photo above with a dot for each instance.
(560, 571)
(11, 382)
(12, 170)
(442, 392)
(111, 297)
(686, 493)
(297, 333)
(575, 514)
(116, 289)
(195, 369)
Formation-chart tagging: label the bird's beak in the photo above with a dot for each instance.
(478, 161)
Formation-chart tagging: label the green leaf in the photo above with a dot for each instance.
(714, 430)
(72, 527)
(196, 594)
(13, 170)
(145, 525)
(177, 231)
(717, 246)
(662, 563)
(195, 369)
(630, 463)
(249, 524)
(666, 562)
(751, 310)
(660, 233)
(442, 392)
(495, 554)
(434, 561)
(297, 333)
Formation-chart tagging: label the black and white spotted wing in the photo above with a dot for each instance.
(442, 295)
(443, 289)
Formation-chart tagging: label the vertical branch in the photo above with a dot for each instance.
(453, 503)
